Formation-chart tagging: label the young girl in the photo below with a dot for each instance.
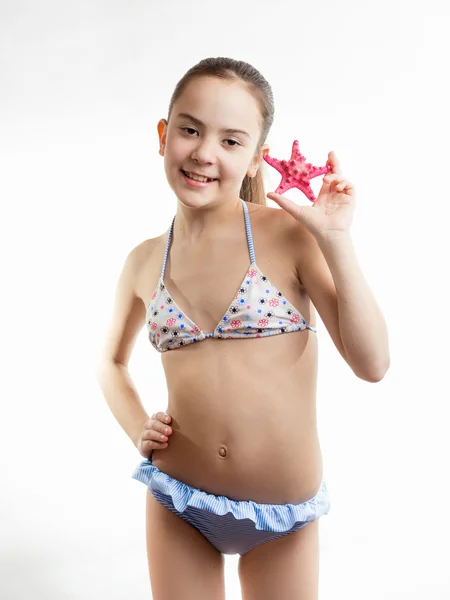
(228, 295)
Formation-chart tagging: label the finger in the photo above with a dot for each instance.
(162, 416)
(166, 429)
(152, 445)
(289, 206)
(338, 182)
(155, 435)
(333, 177)
(159, 427)
(341, 185)
(159, 416)
(153, 429)
(333, 161)
(344, 185)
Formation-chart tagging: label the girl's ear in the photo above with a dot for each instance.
(253, 169)
(162, 133)
(265, 150)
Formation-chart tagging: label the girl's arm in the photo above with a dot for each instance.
(328, 269)
(362, 327)
(127, 320)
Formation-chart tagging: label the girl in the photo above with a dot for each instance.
(228, 296)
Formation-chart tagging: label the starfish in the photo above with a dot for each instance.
(296, 172)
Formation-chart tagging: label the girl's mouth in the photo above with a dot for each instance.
(194, 182)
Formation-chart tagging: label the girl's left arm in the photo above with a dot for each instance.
(328, 269)
(362, 327)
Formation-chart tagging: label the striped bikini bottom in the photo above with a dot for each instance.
(232, 526)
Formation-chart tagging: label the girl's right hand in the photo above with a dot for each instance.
(154, 435)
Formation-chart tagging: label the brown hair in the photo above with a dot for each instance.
(252, 188)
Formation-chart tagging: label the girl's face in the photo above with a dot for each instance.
(213, 131)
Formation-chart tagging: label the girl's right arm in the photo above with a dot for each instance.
(128, 318)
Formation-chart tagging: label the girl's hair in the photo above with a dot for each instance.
(252, 188)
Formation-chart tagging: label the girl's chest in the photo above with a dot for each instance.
(227, 285)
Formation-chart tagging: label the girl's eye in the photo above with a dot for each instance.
(235, 143)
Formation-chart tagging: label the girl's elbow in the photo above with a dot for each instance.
(375, 373)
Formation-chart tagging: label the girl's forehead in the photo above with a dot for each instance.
(213, 100)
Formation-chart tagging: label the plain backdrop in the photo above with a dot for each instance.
(82, 87)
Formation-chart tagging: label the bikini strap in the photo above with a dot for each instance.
(166, 253)
(248, 229)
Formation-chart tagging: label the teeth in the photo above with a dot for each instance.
(197, 177)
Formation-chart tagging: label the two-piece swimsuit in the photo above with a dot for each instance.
(258, 309)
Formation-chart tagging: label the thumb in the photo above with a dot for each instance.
(298, 212)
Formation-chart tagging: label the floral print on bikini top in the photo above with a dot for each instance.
(258, 309)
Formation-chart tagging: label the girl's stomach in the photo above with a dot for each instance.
(244, 418)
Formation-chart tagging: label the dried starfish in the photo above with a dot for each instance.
(296, 172)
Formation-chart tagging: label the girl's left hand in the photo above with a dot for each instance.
(332, 212)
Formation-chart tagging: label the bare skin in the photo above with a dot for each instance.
(243, 410)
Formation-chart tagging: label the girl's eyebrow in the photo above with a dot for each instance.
(229, 130)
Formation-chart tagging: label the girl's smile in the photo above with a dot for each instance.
(194, 182)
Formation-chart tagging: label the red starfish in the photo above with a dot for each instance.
(296, 172)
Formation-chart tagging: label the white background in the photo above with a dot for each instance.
(83, 85)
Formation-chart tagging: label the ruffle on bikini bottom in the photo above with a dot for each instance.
(267, 517)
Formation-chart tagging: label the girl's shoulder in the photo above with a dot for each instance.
(145, 250)
(278, 221)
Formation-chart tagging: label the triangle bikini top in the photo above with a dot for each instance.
(258, 309)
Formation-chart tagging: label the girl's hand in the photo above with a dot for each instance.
(154, 435)
(332, 212)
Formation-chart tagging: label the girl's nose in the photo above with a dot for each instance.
(203, 153)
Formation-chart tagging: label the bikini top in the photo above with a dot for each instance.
(258, 309)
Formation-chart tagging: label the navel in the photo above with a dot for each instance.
(223, 451)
